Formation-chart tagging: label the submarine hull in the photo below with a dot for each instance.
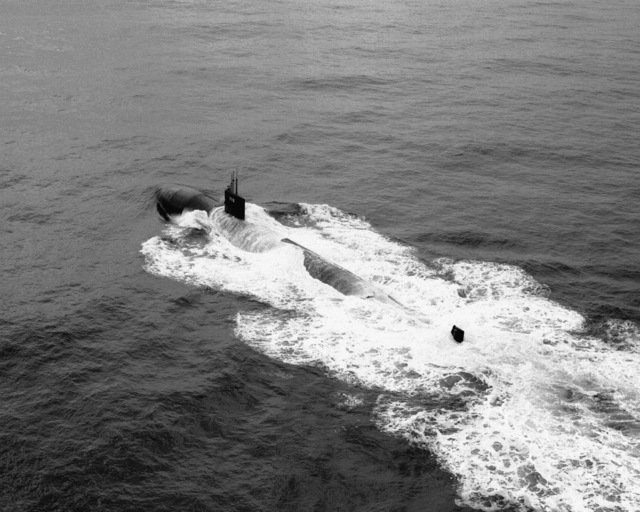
(174, 199)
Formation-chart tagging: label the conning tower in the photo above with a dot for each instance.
(233, 203)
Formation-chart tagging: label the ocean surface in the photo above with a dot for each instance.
(477, 160)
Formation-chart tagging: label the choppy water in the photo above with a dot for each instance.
(478, 161)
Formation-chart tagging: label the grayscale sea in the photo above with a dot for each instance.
(477, 160)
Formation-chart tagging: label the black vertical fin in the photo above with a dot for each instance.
(458, 334)
(233, 203)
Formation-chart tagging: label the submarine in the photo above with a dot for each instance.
(173, 200)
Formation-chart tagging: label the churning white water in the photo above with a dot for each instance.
(527, 410)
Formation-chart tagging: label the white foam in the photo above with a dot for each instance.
(624, 335)
(524, 409)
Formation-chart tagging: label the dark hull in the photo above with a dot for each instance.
(174, 199)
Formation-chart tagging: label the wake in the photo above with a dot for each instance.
(527, 412)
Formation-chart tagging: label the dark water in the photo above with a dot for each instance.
(476, 160)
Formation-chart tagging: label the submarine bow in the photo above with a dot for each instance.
(174, 199)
